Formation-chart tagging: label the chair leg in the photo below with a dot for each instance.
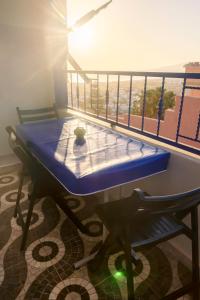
(129, 270)
(102, 252)
(19, 192)
(28, 221)
(195, 253)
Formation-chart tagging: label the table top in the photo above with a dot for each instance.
(106, 159)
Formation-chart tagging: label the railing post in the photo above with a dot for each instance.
(72, 102)
(180, 110)
(107, 96)
(144, 102)
(198, 129)
(77, 90)
(91, 93)
(117, 109)
(84, 96)
(130, 100)
(97, 95)
(160, 105)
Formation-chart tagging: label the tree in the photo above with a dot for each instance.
(98, 101)
(153, 102)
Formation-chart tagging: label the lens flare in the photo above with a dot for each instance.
(118, 275)
(81, 38)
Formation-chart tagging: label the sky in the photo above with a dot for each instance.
(136, 35)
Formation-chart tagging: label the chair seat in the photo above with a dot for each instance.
(138, 232)
(153, 230)
(142, 221)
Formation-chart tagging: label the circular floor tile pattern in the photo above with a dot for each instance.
(8, 179)
(116, 265)
(159, 281)
(75, 292)
(75, 203)
(95, 228)
(10, 197)
(120, 265)
(45, 252)
(36, 219)
(73, 296)
(74, 288)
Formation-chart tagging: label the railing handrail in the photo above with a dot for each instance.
(140, 73)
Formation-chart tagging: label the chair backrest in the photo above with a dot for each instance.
(33, 115)
(169, 204)
(21, 151)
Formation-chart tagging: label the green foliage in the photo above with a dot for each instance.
(152, 102)
(97, 100)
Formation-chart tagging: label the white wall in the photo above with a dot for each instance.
(25, 60)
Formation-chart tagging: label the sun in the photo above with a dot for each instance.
(81, 38)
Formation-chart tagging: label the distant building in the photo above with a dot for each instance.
(193, 67)
(189, 119)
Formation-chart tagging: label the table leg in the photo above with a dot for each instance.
(105, 200)
(28, 221)
(86, 259)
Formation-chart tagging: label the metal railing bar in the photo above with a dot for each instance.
(71, 90)
(77, 90)
(160, 105)
(189, 138)
(84, 92)
(148, 74)
(91, 86)
(97, 95)
(107, 95)
(192, 87)
(144, 103)
(198, 129)
(180, 110)
(117, 108)
(130, 100)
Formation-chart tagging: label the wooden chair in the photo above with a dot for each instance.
(39, 114)
(43, 184)
(141, 221)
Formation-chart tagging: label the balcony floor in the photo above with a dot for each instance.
(45, 270)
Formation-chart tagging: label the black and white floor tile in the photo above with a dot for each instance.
(45, 270)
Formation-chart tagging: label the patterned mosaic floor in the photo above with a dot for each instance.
(45, 270)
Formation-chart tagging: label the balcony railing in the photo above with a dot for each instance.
(127, 99)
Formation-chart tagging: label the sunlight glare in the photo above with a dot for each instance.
(81, 38)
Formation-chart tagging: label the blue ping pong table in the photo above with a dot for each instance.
(106, 159)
